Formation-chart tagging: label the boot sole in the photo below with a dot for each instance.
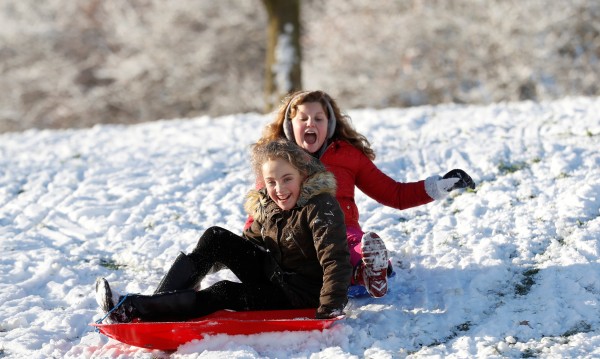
(375, 254)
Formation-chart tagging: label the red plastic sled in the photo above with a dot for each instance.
(170, 335)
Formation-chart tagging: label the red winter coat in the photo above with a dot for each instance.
(352, 168)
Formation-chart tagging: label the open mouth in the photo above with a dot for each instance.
(284, 198)
(310, 137)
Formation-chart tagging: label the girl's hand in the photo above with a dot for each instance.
(457, 179)
(438, 187)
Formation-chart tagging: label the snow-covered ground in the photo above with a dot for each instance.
(508, 270)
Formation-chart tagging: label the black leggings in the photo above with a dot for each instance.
(245, 259)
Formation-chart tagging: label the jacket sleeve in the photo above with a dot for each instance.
(385, 190)
(249, 221)
(326, 221)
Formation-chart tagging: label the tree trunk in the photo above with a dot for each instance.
(283, 72)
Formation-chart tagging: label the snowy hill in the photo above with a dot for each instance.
(508, 270)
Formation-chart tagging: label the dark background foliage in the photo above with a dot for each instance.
(70, 63)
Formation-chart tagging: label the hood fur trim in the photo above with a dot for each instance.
(257, 201)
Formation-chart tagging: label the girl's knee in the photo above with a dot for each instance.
(210, 235)
(212, 232)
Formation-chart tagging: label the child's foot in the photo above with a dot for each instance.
(107, 300)
(372, 272)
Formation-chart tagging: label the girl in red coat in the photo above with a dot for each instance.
(313, 120)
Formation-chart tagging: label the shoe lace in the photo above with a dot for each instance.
(99, 321)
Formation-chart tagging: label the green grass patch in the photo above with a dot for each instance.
(505, 167)
(111, 264)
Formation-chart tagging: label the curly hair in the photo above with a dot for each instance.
(343, 130)
(288, 151)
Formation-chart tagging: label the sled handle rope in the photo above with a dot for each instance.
(99, 321)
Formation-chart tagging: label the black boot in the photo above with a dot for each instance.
(108, 299)
(182, 275)
(171, 306)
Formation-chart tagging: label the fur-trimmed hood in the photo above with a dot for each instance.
(258, 201)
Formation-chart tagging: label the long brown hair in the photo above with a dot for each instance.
(343, 129)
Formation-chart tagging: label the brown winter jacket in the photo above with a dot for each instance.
(308, 243)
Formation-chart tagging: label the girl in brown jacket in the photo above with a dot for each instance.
(294, 255)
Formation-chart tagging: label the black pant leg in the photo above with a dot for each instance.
(244, 258)
(189, 304)
(240, 296)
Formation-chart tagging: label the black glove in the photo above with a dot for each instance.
(464, 180)
(329, 313)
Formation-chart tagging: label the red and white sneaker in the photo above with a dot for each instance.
(372, 271)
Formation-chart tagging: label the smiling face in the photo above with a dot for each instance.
(310, 126)
(282, 181)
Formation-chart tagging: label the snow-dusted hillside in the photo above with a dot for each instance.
(509, 270)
